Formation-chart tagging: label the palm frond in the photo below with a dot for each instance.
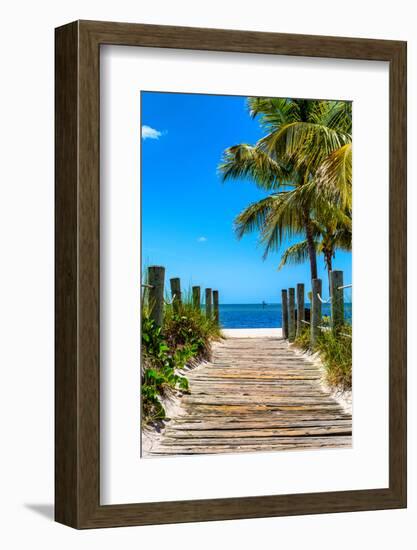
(284, 221)
(333, 178)
(343, 238)
(273, 112)
(316, 110)
(245, 161)
(253, 218)
(304, 143)
(339, 116)
(295, 254)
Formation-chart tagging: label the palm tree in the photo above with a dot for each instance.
(302, 135)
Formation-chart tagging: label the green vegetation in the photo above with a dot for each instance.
(302, 340)
(184, 339)
(335, 351)
(190, 327)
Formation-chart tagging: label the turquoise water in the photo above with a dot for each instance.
(257, 316)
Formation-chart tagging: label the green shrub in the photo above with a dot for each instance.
(190, 326)
(159, 370)
(303, 339)
(336, 353)
(335, 350)
(185, 337)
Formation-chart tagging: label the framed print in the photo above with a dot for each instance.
(230, 274)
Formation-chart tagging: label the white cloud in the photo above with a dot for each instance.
(202, 239)
(151, 133)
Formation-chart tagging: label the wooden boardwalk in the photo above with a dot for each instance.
(255, 395)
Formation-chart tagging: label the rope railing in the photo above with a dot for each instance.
(170, 302)
(323, 301)
(320, 327)
(144, 285)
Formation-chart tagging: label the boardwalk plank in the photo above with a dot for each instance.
(255, 395)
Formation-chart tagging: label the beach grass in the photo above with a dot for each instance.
(184, 340)
(335, 351)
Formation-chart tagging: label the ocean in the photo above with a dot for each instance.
(258, 316)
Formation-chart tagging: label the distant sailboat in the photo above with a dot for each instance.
(264, 304)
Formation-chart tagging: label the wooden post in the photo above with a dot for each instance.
(156, 280)
(300, 308)
(315, 317)
(196, 297)
(291, 314)
(216, 305)
(284, 307)
(337, 305)
(176, 293)
(208, 302)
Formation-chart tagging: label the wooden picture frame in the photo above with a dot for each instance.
(77, 406)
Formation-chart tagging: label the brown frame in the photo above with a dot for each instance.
(77, 472)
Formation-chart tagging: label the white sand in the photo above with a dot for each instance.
(252, 332)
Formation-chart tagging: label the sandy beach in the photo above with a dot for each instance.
(252, 332)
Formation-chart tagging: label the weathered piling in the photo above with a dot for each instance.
(156, 280)
(176, 293)
(291, 314)
(208, 302)
(284, 307)
(337, 305)
(300, 308)
(315, 318)
(196, 297)
(216, 305)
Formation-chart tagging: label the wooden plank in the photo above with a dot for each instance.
(238, 434)
(156, 280)
(209, 302)
(255, 395)
(176, 293)
(295, 444)
(216, 305)
(196, 297)
(315, 318)
(226, 425)
(337, 305)
(291, 314)
(300, 308)
(284, 308)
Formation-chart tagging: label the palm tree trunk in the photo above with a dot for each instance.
(329, 266)
(310, 245)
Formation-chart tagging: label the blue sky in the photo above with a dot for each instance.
(188, 213)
